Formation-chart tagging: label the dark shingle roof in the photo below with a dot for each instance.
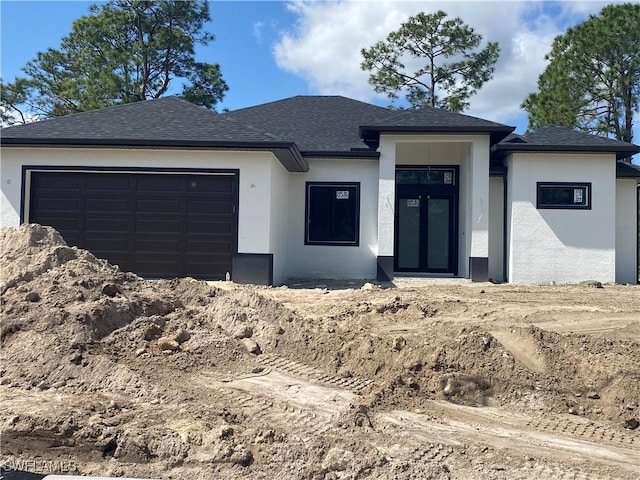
(169, 122)
(627, 170)
(434, 120)
(552, 138)
(339, 124)
(169, 118)
(314, 123)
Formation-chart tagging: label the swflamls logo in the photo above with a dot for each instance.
(38, 466)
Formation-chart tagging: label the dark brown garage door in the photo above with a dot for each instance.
(158, 225)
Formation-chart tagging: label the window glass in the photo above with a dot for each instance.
(333, 211)
(564, 195)
(428, 176)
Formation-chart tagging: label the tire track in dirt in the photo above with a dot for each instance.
(283, 399)
(584, 429)
(307, 372)
(554, 438)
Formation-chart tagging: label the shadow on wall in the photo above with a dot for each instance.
(577, 228)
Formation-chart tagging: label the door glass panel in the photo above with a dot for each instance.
(438, 233)
(409, 233)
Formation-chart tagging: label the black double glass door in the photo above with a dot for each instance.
(426, 220)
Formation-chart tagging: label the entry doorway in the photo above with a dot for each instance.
(426, 219)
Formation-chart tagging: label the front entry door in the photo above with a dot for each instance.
(426, 220)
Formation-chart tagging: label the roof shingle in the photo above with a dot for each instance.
(168, 118)
(552, 138)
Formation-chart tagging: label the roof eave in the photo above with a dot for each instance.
(357, 154)
(627, 171)
(286, 152)
(497, 133)
(621, 151)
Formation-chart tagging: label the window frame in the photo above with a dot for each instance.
(582, 185)
(307, 212)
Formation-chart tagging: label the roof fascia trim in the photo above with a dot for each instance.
(497, 133)
(620, 151)
(286, 152)
(363, 154)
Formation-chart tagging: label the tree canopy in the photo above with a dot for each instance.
(124, 51)
(592, 82)
(449, 67)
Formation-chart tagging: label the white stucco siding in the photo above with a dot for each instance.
(626, 231)
(279, 220)
(255, 189)
(561, 245)
(331, 261)
(480, 198)
(387, 197)
(496, 228)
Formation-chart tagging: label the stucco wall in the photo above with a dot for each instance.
(279, 220)
(330, 261)
(626, 231)
(563, 246)
(254, 210)
(496, 228)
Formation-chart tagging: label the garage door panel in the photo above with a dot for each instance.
(62, 223)
(208, 247)
(57, 204)
(57, 181)
(159, 183)
(158, 246)
(203, 270)
(105, 224)
(216, 184)
(106, 205)
(159, 206)
(155, 268)
(108, 182)
(220, 207)
(214, 228)
(157, 225)
(103, 244)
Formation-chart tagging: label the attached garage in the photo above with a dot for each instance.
(154, 223)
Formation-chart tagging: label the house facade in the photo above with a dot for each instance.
(325, 187)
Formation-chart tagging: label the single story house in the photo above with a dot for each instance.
(325, 187)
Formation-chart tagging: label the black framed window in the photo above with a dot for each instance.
(564, 195)
(332, 213)
(426, 176)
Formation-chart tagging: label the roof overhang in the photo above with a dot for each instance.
(371, 133)
(286, 152)
(628, 170)
(351, 154)
(621, 151)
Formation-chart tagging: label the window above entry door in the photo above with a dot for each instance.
(426, 175)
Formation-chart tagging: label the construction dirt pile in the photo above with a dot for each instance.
(104, 373)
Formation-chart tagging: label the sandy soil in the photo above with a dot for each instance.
(113, 375)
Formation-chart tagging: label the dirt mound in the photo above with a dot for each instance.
(181, 379)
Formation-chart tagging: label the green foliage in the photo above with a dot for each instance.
(592, 82)
(12, 98)
(450, 68)
(124, 51)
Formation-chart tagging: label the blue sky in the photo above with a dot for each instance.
(272, 50)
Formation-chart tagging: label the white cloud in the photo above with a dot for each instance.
(324, 46)
(258, 27)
